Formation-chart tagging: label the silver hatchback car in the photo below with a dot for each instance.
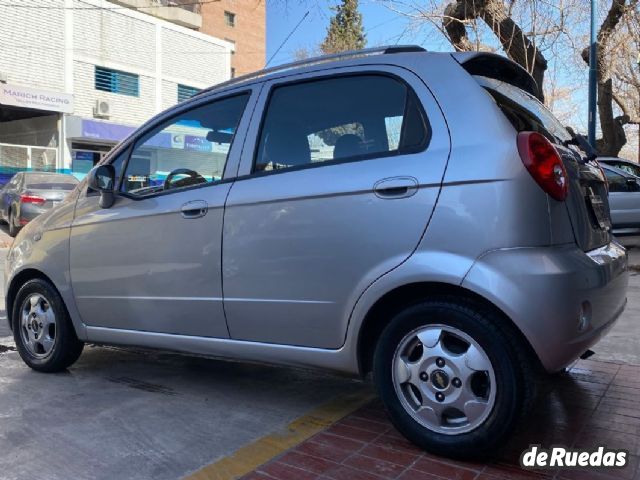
(416, 215)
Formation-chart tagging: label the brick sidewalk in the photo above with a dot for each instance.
(595, 403)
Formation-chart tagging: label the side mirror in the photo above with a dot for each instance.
(102, 178)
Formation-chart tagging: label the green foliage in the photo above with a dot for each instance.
(345, 30)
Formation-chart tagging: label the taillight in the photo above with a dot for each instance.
(32, 199)
(544, 164)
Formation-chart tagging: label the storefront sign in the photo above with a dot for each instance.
(104, 130)
(18, 96)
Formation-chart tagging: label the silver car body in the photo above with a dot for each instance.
(254, 278)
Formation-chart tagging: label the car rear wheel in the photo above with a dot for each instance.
(452, 380)
(42, 329)
(13, 228)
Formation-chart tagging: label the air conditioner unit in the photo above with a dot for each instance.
(102, 109)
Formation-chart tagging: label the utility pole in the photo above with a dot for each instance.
(593, 69)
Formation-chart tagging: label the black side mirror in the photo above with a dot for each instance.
(102, 179)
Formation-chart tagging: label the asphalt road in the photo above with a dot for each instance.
(138, 414)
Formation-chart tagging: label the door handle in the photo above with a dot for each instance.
(396, 187)
(194, 209)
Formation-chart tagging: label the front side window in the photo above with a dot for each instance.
(344, 118)
(190, 149)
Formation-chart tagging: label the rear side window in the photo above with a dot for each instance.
(340, 119)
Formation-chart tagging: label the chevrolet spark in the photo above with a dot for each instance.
(420, 216)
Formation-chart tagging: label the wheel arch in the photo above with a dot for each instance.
(392, 302)
(17, 282)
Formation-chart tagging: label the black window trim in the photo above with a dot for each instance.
(356, 158)
(127, 149)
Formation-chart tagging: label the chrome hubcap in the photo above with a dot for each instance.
(38, 326)
(444, 379)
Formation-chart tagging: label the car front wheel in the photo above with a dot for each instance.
(42, 329)
(452, 380)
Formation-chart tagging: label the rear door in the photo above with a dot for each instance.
(337, 182)
(624, 199)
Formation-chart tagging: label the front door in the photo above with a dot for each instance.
(151, 262)
(336, 191)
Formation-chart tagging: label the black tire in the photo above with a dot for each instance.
(66, 347)
(13, 229)
(515, 385)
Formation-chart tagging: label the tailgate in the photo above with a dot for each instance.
(588, 202)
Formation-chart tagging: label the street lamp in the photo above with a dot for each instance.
(593, 70)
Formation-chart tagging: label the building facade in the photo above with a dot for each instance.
(77, 76)
(242, 22)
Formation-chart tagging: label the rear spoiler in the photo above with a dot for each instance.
(497, 67)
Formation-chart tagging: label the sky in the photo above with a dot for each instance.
(382, 27)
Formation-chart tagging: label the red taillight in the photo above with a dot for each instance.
(32, 199)
(544, 164)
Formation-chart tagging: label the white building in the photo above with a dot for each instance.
(77, 76)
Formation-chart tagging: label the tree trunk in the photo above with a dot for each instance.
(515, 43)
(613, 134)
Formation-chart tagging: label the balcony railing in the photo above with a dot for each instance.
(189, 5)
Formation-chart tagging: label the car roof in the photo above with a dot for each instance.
(476, 63)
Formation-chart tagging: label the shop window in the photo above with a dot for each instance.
(185, 92)
(116, 81)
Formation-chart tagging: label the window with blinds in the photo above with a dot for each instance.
(116, 81)
(185, 92)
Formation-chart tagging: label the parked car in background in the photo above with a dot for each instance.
(626, 165)
(624, 200)
(28, 194)
(362, 218)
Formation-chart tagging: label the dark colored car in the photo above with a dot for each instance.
(624, 200)
(28, 194)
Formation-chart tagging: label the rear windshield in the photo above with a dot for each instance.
(50, 182)
(524, 111)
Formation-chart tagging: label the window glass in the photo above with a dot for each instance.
(185, 92)
(188, 150)
(116, 81)
(51, 182)
(632, 169)
(340, 118)
(619, 183)
(524, 110)
(230, 19)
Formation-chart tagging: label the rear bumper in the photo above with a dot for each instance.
(561, 298)
(28, 212)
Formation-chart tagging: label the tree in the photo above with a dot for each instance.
(537, 34)
(516, 44)
(345, 30)
(617, 50)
